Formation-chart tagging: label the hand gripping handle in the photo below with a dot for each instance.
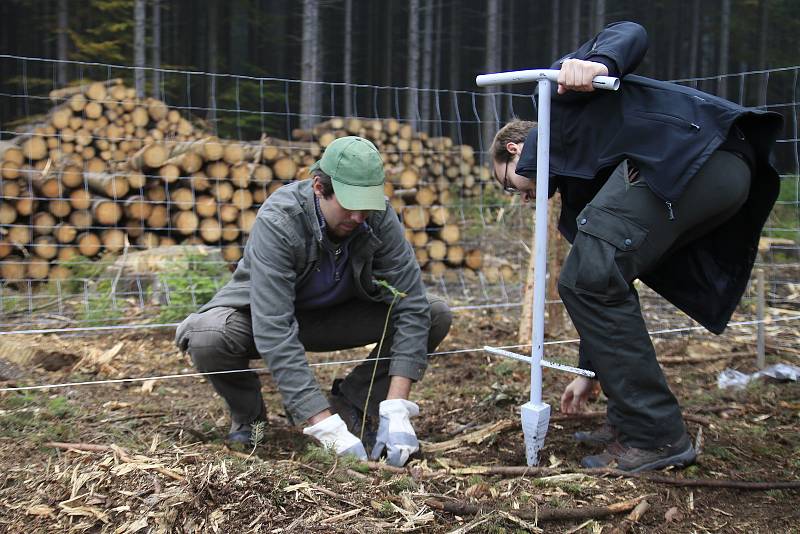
(524, 76)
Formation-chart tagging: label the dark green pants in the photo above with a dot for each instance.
(623, 233)
(221, 339)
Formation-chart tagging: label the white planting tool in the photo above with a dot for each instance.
(535, 413)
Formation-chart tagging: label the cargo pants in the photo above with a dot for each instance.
(221, 339)
(623, 233)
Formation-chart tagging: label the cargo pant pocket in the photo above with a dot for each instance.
(214, 332)
(603, 258)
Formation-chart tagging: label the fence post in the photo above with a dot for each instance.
(760, 305)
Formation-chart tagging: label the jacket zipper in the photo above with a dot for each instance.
(669, 209)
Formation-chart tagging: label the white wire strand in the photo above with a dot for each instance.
(361, 360)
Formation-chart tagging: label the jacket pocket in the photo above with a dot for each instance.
(603, 259)
(668, 118)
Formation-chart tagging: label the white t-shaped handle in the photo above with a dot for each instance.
(524, 76)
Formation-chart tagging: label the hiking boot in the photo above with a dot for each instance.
(604, 435)
(679, 454)
(352, 416)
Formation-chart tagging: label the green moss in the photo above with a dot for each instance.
(720, 452)
(59, 408)
(503, 369)
(474, 479)
(386, 509)
(402, 483)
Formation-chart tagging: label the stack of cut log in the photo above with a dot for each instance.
(106, 171)
(427, 174)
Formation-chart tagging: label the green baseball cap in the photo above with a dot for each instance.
(356, 171)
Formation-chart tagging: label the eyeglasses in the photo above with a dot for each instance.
(507, 187)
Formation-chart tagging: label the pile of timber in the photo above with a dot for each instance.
(427, 175)
(107, 170)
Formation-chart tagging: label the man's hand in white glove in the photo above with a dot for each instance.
(332, 432)
(395, 432)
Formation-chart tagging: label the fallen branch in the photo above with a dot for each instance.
(87, 447)
(592, 415)
(492, 429)
(673, 360)
(543, 513)
(522, 471)
(475, 437)
(131, 417)
(633, 517)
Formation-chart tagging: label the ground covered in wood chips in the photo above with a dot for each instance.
(154, 459)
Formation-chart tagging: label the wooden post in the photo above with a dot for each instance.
(525, 323)
(760, 306)
(555, 313)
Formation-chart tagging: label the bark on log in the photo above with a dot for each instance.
(540, 513)
(113, 186)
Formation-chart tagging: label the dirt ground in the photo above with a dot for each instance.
(160, 464)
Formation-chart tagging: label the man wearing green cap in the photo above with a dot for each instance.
(307, 282)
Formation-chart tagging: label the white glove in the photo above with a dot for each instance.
(332, 432)
(395, 432)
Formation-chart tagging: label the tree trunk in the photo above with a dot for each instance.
(348, 58)
(63, 29)
(156, 49)
(576, 25)
(310, 92)
(599, 16)
(763, 18)
(412, 67)
(239, 35)
(427, 61)
(555, 22)
(213, 60)
(489, 115)
(507, 61)
(139, 46)
(707, 49)
(724, 40)
(388, 45)
(455, 65)
(694, 41)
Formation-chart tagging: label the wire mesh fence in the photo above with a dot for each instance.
(100, 184)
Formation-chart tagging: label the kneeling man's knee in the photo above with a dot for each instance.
(441, 319)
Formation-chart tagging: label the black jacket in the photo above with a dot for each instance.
(668, 131)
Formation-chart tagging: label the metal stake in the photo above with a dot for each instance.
(535, 413)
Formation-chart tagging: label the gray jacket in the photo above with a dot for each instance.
(284, 247)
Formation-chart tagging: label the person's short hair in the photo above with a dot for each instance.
(325, 180)
(515, 131)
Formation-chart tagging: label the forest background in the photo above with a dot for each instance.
(386, 46)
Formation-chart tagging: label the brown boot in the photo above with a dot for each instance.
(679, 454)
